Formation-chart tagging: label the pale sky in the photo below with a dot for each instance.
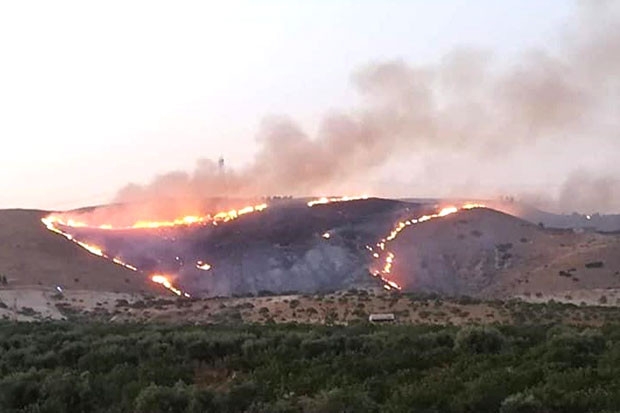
(94, 95)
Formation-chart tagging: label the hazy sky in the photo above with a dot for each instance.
(94, 95)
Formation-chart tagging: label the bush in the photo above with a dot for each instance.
(521, 403)
(50, 367)
(18, 390)
(163, 399)
(340, 401)
(479, 340)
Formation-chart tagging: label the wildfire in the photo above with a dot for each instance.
(56, 220)
(163, 280)
(388, 261)
(93, 249)
(325, 200)
(472, 206)
(201, 265)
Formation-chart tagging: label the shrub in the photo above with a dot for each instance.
(521, 403)
(163, 399)
(479, 340)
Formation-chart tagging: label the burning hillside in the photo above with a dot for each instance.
(322, 244)
(387, 257)
(65, 223)
(290, 246)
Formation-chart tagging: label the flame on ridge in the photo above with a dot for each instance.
(326, 200)
(385, 271)
(224, 216)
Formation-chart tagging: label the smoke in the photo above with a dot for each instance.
(582, 192)
(464, 104)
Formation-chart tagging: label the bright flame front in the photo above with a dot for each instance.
(326, 200)
(165, 282)
(388, 261)
(201, 265)
(61, 219)
(54, 223)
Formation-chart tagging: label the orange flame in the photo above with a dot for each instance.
(388, 262)
(53, 222)
(56, 220)
(326, 200)
(165, 282)
(93, 249)
(201, 265)
(473, 205)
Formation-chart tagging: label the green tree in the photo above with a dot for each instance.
(479, 340)
(521, 403)
(163, 399)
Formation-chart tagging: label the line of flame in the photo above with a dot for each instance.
(165, 282)
(93, 249)
(326, 200)
(224, 216)
(53, 223)
(386, 270)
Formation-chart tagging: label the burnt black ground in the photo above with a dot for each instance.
(279, 249)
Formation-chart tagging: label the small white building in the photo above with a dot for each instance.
(381, 318)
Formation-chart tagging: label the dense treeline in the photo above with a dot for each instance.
(73, 367)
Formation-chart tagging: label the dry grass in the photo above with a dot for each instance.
(32, 256)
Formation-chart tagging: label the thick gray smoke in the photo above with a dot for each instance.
(464, 104)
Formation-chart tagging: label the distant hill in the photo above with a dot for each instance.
(595, 222)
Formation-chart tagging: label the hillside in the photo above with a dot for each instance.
(280, 249)
(598, 222)
(479, 252)
(32, 256)
(489, 253)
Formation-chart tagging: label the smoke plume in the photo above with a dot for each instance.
(464, 104)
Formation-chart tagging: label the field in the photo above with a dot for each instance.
(153, 368)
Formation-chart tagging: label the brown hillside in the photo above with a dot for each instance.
(30, 255)
(485, 252)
